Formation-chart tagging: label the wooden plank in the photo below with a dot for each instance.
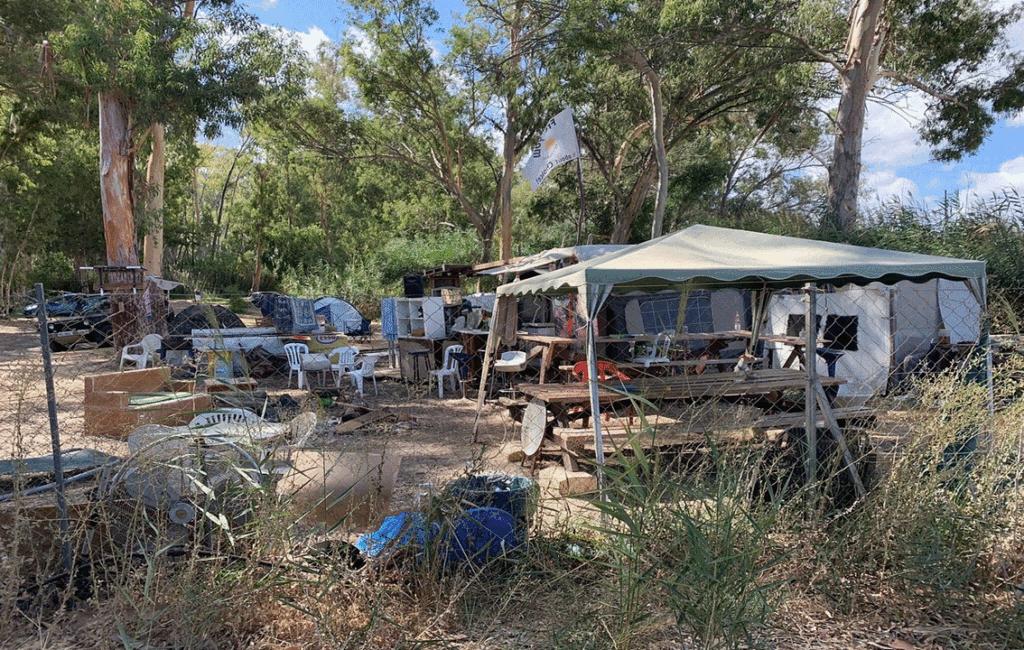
(576, 483)
(361, 421)
(147, 380)
(785, 420)
(851, 466)
(582, 440)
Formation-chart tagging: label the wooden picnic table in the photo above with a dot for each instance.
(559, 403)
(552, 346)
(561, 397)
(798, 345)
(726, 384)
(562, 402)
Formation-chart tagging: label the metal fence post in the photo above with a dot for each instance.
(51, 407)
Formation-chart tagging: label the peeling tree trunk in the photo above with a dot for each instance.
(857, 77)
(628, 213)
(153, 244)
(116, 165)
(653, 82)
(132, 314)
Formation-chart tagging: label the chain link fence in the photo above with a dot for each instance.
(345, 436)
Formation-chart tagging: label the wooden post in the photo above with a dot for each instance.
(837, 433)
(492, 344)
(811, 369)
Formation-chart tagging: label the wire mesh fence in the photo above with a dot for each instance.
(345, 428)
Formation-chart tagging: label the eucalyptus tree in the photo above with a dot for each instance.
(701, 67)
(955, 53)
(147, 62)
(46, 205)
(498, 53)
(440, 117)
(412, 112)
(151, 63)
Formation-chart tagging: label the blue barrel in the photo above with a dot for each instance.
(480, 535)
(516, 495)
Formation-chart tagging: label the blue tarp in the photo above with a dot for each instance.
(485, 517)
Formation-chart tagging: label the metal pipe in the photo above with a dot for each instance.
(51, 407)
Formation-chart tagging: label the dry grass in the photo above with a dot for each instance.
(929, 560)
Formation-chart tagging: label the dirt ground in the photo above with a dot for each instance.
(432, 436)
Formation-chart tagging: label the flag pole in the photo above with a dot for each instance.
(579, 176)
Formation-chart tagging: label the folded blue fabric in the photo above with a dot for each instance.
(481, 535)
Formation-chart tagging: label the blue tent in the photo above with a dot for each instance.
(342, 315)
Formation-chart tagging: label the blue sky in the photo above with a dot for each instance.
(896, 163)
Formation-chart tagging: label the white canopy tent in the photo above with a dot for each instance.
(709, 257)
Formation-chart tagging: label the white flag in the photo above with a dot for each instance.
(557, 145)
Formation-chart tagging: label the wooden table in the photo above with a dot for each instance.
(552, 345)
(715, 342)
(798, 343)
(757, 383)
(558, 402)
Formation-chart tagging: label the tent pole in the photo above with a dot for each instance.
(488, 353)
(595, 402)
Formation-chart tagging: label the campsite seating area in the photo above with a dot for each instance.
(694, 341)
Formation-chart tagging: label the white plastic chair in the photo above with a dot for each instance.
(364, 368)
(449, 370)
(662, 344)
(301, 361)
(140, 353)
(294, 352)
(209, 418)
(509, 363)
(344, 359)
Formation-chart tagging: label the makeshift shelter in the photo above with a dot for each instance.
(707, 257)
(883, 331)
(342, 315)
(291, 315)
(552, 259)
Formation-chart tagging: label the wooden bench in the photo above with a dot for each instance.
(853, 414)
(723, 365)
(116, 403)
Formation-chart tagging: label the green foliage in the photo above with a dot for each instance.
(937, 526)
(55, 271)
(175, 69)
(989, 229)
(690, 544)
(237, 302)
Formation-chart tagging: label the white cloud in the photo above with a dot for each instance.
(890, 136)
(885, 185)
(311, 39)
(1010, 174)
(308, 40)
(1016, 120)
(362, 45)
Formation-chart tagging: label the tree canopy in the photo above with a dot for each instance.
(405, 136)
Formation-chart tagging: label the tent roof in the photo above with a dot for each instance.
(540, 260)
(709, 256)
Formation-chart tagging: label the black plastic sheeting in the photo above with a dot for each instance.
(198, 317)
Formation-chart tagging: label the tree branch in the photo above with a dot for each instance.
(914, 83)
